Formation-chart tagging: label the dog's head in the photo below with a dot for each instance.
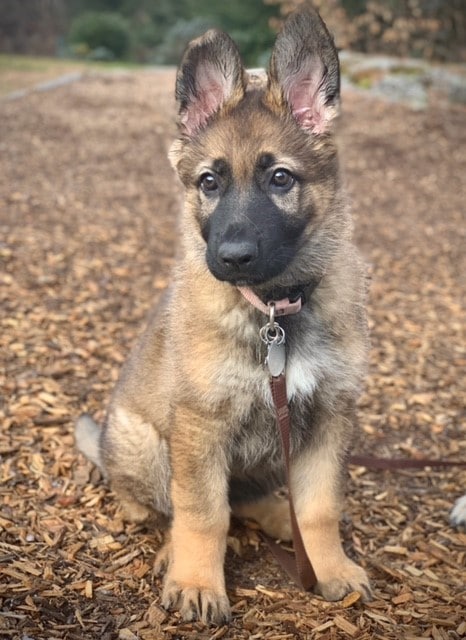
(258, 162)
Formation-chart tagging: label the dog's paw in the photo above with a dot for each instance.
(272, 513)
(135, 511)
(458, 513)
(196, 603)
(344, 579)
(163, 558)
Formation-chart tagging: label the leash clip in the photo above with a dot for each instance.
(273, 335)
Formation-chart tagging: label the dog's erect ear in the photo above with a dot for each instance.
(304, 72)
(210, 76)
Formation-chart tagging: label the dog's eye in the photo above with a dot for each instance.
(208, 183)
(282, 179)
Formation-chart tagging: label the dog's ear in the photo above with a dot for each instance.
(210, 76)
(304, 73)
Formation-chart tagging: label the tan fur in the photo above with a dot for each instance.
(272, 513)
(191, 431)
(315, 483)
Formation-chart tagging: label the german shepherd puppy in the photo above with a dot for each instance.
(191, 430)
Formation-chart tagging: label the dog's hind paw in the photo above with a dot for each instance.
(272, 513)
(347, 578)
(196, 603)
(458, 513)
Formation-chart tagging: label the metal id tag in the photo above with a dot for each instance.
(276, 358)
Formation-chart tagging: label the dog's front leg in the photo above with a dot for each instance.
(194, 582)
(316, 486)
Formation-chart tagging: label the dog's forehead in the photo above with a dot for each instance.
(245, 136)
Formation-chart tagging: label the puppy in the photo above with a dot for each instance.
(191, 431)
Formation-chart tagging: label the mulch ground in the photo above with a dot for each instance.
(87, 233)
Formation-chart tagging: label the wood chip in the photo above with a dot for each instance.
(124, 560)
(400, 551)
(88, 590)
(155, 614)
(274, 595)
(461, 630)
(324, 626)
(402, 598)
(345, 625)
(350, 599)
(126, 634)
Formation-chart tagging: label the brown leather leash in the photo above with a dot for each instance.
(299, 566)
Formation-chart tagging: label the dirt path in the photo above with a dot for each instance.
(87, 233)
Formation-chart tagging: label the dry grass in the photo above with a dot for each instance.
(18, 72)
(87, 210)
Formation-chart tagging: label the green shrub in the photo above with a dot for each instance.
(177, 37)
(101, 31)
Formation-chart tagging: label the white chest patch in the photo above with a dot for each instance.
(301, 377)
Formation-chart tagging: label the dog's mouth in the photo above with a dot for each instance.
(246, 282)
(254, 280)
(275, 288)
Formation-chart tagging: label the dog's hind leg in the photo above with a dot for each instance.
(134, 459)
(272, 514)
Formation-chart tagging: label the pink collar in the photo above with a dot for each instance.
(282, 307)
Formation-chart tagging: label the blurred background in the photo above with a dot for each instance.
(156, 31)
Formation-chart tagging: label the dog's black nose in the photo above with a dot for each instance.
(237, 254)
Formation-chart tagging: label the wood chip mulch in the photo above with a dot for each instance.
(87, 234)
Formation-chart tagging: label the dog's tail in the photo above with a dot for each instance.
(87, 437)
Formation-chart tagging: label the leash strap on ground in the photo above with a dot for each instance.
(394, 464)
(299, 568)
